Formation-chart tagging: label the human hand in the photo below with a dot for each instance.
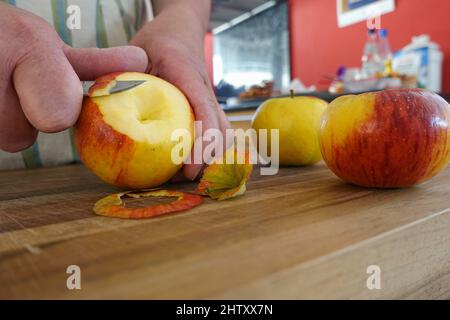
(40, 76)
(181, 62)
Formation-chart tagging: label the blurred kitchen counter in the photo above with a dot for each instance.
(241, 112)
(300, 234)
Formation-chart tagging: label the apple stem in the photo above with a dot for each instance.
(292, 94)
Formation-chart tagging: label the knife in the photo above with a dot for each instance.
(118, 86)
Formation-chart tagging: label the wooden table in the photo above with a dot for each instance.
(300, 234)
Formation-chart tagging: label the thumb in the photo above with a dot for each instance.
(91, 63)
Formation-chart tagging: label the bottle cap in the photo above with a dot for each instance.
(341, 72)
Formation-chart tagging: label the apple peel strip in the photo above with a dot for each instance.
(112, 205)
(222, 181)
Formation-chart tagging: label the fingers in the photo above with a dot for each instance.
(92, 63)
(49, 90)
(207, 110)
(45, 92)
(16, 133)
(38, 88)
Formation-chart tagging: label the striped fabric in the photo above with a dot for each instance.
(104, 23)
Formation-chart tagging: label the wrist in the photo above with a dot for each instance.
(195, 11)
(178, 21)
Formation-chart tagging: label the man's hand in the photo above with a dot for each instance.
(40, 76)
(174, 43)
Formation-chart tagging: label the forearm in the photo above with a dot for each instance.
(200, 8)
(184, 21)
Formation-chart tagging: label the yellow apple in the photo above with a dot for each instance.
(298, 121)
(125, 137)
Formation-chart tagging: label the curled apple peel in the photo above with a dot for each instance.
(221, 181)
(112, 205)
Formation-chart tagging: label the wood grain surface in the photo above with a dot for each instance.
(300, 234)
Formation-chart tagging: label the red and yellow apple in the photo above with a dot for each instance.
(125, 137)
(386, 139)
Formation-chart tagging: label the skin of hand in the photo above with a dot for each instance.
(40, 87)
(174, 42)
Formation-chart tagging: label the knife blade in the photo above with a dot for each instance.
(118, 86)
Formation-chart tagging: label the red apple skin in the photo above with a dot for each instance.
(100, 146)
(103, 82)
(387, 139)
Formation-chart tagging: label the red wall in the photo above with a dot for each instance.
(319, 46)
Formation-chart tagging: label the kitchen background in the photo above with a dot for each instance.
(256, 40)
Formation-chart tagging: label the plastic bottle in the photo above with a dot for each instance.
(423, 59)
(385, 53)
(371, 59)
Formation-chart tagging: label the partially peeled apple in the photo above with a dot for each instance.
(125, 138)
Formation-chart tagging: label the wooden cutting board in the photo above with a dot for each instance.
(300, 234)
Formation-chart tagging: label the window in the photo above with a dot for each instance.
(253, 51)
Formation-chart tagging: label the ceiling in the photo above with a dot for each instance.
(226, 10)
